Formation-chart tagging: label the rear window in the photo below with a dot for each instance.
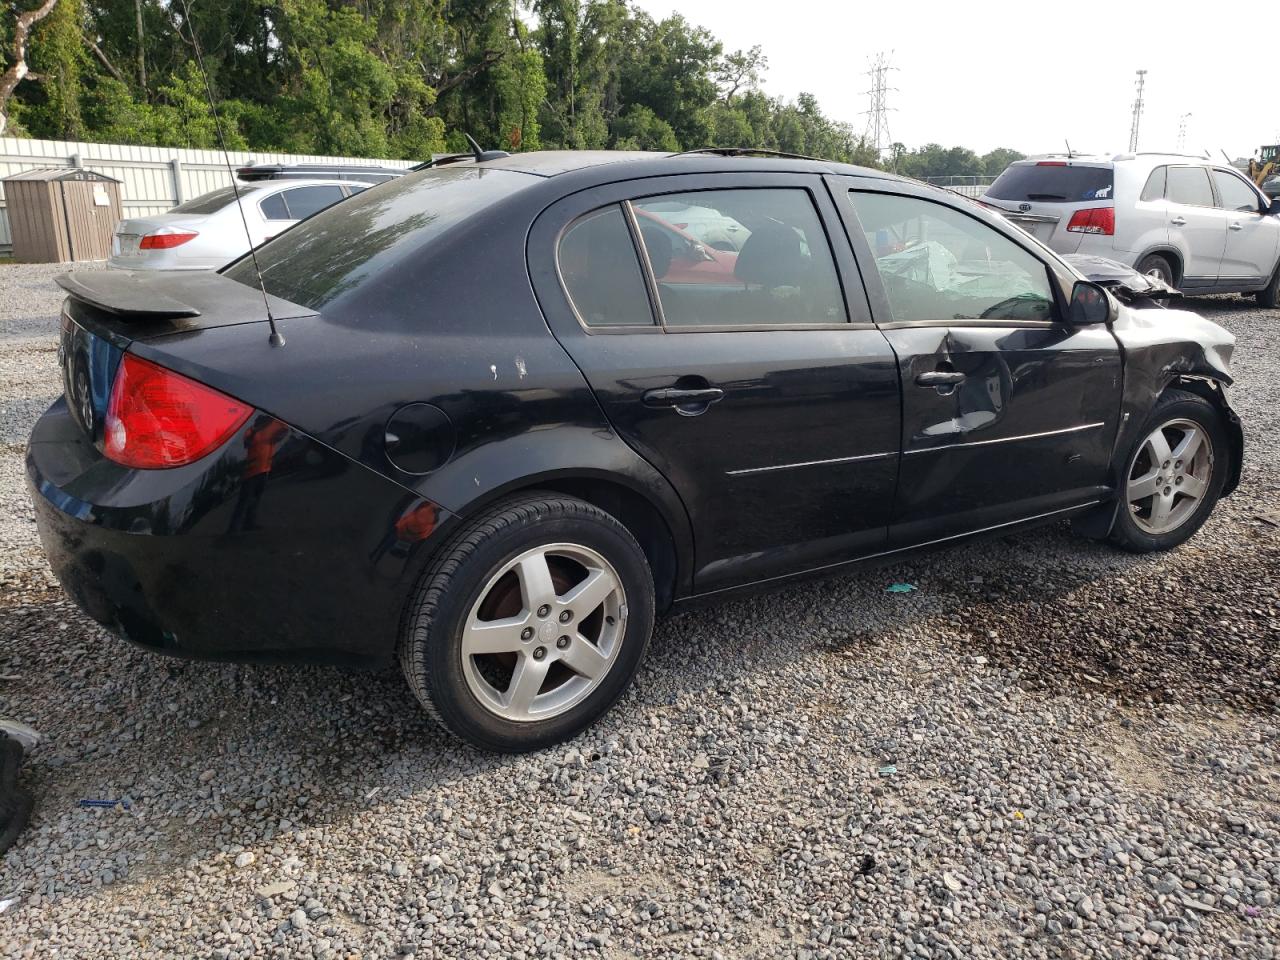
(341, 247)
(208, 202)
(1052, 184)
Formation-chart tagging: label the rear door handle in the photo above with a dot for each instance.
(1179, 221)
(689, 402)
(940, 378)
(1237, 225)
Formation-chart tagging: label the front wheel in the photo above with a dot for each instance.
(1269, 296)
(1173, 476)
(530, 624)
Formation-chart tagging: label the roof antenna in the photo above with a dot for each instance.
(480, 154)
(1070, 155)
(276, 339)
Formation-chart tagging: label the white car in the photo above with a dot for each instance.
(1198, 226)
(207, 233)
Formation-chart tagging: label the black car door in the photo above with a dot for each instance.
(746, 369)
(1009, 413)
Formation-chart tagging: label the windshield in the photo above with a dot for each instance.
(340, 248)
(1052, 183)
(210, 202)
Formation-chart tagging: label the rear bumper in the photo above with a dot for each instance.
(301, 563)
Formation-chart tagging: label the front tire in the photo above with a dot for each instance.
(1173, 476)
(530, 624)
(1269, 296)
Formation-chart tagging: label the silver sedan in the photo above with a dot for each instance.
(207, 233)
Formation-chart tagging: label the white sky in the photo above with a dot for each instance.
(1023, 74)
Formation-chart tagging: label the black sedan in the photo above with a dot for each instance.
(518, 406)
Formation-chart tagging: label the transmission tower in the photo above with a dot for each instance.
(1182, 131)
(1137, 112)
(877, 132)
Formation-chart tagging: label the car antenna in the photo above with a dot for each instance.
(1070, 156)
(482, 155)
(1230, 163)
(276, 339)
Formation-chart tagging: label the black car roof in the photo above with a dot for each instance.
(551, 163)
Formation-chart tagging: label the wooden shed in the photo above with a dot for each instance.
(61, 214)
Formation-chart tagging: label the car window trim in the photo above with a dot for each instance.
(651, 281)
(283, 199)
(605, 328)
(852, 185)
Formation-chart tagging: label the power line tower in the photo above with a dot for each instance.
(877, 132)
(1137, 112)
(1182, 131)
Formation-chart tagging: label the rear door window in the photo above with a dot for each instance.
(778, 269)
(273, 207)
(304, 201)
(1190, 187)
(1154, 190)
(1234, 193)
(937, 264)
(1052, 181)
(601, 271)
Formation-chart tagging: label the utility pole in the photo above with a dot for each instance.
(877, 132)
(142, 58)
(1182, 131)
(1137, 112)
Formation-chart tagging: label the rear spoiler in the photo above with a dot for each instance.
(147, 296)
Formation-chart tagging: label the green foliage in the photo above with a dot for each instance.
(406, 78)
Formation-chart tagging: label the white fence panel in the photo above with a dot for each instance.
(153, 179)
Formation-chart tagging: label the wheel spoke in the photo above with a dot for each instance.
(1159, 447)
(535, 581)
(1188, 446)
(526, 683)
(1160, 507)
(1144, 486)
(584, 657)
(1193, 487)
(590, 593)
(494, 636)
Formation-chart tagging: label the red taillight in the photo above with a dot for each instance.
(157, 418)
(1098, 220)
(1052, 163)
(166, 241)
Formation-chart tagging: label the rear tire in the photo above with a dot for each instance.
(1269, 296)
(1173, 476)
(1155, 265)
(530, 624)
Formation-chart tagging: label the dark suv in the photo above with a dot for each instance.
(512, 409)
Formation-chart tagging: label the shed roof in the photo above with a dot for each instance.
(61, 173)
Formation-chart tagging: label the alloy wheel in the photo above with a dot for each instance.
(1169, 476)
(544, 633)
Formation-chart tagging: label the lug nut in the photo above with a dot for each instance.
(544, 610)
(1166, 465)
(563, 642)
(1168, 490)
(1179, 480)
(526, 633)
(540, 653)
(566, 616)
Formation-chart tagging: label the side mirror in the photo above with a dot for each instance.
(1089, 304)
(1274, 209)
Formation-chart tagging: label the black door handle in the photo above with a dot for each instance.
(940, 378)
(686, 401)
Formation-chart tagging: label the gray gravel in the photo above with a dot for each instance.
(1051, 749)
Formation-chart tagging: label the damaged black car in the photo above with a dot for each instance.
(490, 419)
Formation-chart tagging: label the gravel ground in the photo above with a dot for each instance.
(1083, 749)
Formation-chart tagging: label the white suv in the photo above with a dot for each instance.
(1199, 226)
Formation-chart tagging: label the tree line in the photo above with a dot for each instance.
(408, 78)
